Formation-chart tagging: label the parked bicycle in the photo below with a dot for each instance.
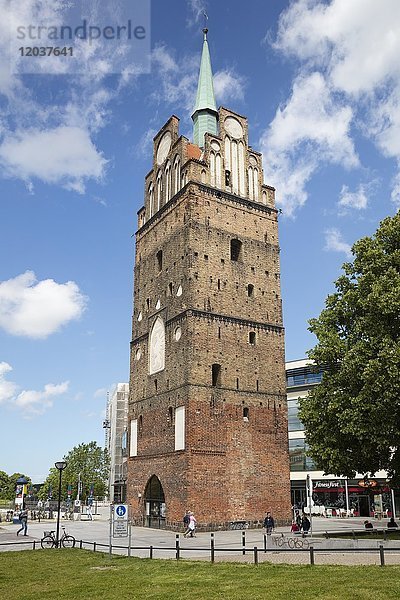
(49, 540)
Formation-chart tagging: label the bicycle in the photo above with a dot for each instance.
(49, 540)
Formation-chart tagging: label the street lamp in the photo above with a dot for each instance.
(60, 466)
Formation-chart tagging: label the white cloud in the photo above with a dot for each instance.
(228, 86)
(7, 388)
(36, 309)
(100, 393)
(29, 402)
(355, 47)
(33, 402)
(197, 8)
(64, 155)
(335, 242)
(357, 200)
(312, 128)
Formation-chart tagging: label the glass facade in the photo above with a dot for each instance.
(303, 377)
(299, 461)
(294, 422)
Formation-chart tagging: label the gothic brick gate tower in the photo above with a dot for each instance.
(207, 409)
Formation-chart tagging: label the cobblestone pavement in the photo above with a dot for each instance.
(198, 548)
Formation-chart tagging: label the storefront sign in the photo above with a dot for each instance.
(331, 484)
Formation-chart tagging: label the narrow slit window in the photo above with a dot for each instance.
(252, 338)
(216, 375)
(250, 290)
(245, 413)
(237, 383)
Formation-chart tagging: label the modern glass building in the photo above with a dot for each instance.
(360, 496)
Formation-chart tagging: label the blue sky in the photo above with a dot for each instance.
(319, 82)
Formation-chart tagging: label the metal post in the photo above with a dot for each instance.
(177, 546)
(255, 555)
(151, 551)
(382, 555)
(110, 532)
(94, 546)
(346, 487)
(393, 504)
(80, 544)
(129, 538)
(312, 560)
(265, 543)
(244, 542)
(58, 509)
(309, 500)
(212, 548)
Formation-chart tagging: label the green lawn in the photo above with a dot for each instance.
(80, 574)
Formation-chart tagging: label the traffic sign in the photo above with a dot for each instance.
(120, 512)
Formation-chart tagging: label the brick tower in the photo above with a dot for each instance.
(207, 407)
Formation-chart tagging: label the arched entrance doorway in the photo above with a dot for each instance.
(154, 503)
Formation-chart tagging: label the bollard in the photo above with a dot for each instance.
(34, 544)
(212, 548)
(244, 542)
(151, 551)
(177, 546)
(312, 560)
(80, 545)
(384, 535)
(255, 555)
(382, 555)
(265, 543)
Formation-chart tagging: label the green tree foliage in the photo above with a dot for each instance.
(87, 462)
(4, 485)
(352, 419)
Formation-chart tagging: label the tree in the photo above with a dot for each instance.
(87, 463)
(4, 485)
(352, 419)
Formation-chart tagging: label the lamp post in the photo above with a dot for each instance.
(60, 466)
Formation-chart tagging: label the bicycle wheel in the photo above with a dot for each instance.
(68, 541)
(291, 543)
(281, 542)
(47, 542)
(306, 543)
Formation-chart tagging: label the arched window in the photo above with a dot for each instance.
(168, 189)
(216, 375)
(218, 170)
(251, 183)
(255, 184)
(177, 174)
(203, 176)
(245, 413)
(212, 168)
(242, 183)
(151, 200)
(159, 190)
(157, 347)
(235, 171)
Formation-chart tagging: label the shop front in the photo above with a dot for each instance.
(362, 498)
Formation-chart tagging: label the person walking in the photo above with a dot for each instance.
(305, 525)
(23, 517)
(191, 527)
(392, 524)
(269, 523)
(186, 520)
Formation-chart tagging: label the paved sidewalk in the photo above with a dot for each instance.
(164, 542)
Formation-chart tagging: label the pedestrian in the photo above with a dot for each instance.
(392, 524)
(305, 524)
(269, 523)
(294, 528)
(191, 527)
(368, 525)
(23, 518)
(186, 520)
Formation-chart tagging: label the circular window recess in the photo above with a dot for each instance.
(179, 291)
(138, 354)
(140, 317)
(178, 334)
(158, 304)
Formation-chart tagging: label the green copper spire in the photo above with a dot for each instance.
(205, 113)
